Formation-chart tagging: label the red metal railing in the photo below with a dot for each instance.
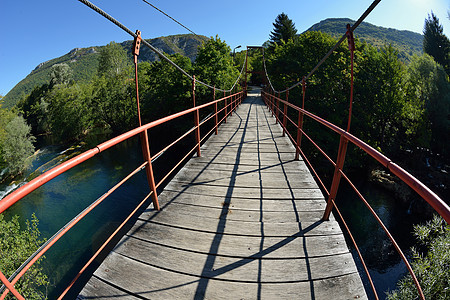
(273, 103)
(230, 103)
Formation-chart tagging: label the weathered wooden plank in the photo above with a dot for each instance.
(238, 246)
(229, 213)
(248, 269)
(247, 192)
(258, 176)
(163, 284)
(263, 204)
(199, 163)
(244, 156)
(215, 225)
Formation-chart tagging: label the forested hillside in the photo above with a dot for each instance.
(84, 62)
(406, 42)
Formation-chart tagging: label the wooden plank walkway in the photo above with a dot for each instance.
(240, 222)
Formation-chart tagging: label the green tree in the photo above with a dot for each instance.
(435, 43)
(164, 89)
(60, 74)
(113, 60)
(113, 102)
(427, 104)
(214, 65)
(381, 107)
(35, 109)
(284, 29)
(5, 117)
(69, 111)
(17, 145)
(431, 261)
(16, 246)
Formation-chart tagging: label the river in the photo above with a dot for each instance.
(63, 198)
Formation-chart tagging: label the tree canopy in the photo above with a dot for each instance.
(16, 245)
(284, 29)
(435, 42)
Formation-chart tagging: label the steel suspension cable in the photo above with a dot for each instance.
(265, 70)
(344, 36)
(169, 17)
(161, 55)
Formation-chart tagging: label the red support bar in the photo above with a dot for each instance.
(300, 120)
(144, 135)
(136, 47)
(215, 111)
(336, 177)
(149, 169)
(231, 103)
(226, 106)
(285, 113)
(196, 120)
(343, 142)
(10, 287)
(277, 111)
(351, 47)
(272, 103)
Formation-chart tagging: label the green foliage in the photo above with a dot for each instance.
(16, 246)
(61, 74)
(113, 60)
(283, 29)
(378, 97)
(35, 108)
(395, 107)
(431, 265)
(435, 43)
(68, 110)
(427, 104)
(214, 65)
(113, 102)
(164, 89)
(16, 146)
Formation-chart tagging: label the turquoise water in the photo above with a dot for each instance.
(58, 201)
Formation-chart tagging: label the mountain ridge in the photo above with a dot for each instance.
(407, 42)
(84, 62)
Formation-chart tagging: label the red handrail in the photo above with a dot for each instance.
(434, 200)
(234, 100)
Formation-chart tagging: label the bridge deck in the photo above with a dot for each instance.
(240, 222)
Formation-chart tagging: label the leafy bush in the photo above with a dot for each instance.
(431, 263)
(16, 145)
(16, 246)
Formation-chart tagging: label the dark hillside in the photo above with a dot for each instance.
(407, 42)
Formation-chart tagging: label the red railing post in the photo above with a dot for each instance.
(300, 121)
(136, 47)
(272, 102)
(196, 119)
(10, 287)
(231, 103)
(285, 112)
(336, 176)
(144, 135)
(216, 118)
(226, 106)
(277, 111)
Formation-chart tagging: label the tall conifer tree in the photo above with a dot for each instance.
(435, 43)
(284, 29)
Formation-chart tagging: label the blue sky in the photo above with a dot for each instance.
(32, 32)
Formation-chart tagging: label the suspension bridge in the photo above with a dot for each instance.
(246, 217)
